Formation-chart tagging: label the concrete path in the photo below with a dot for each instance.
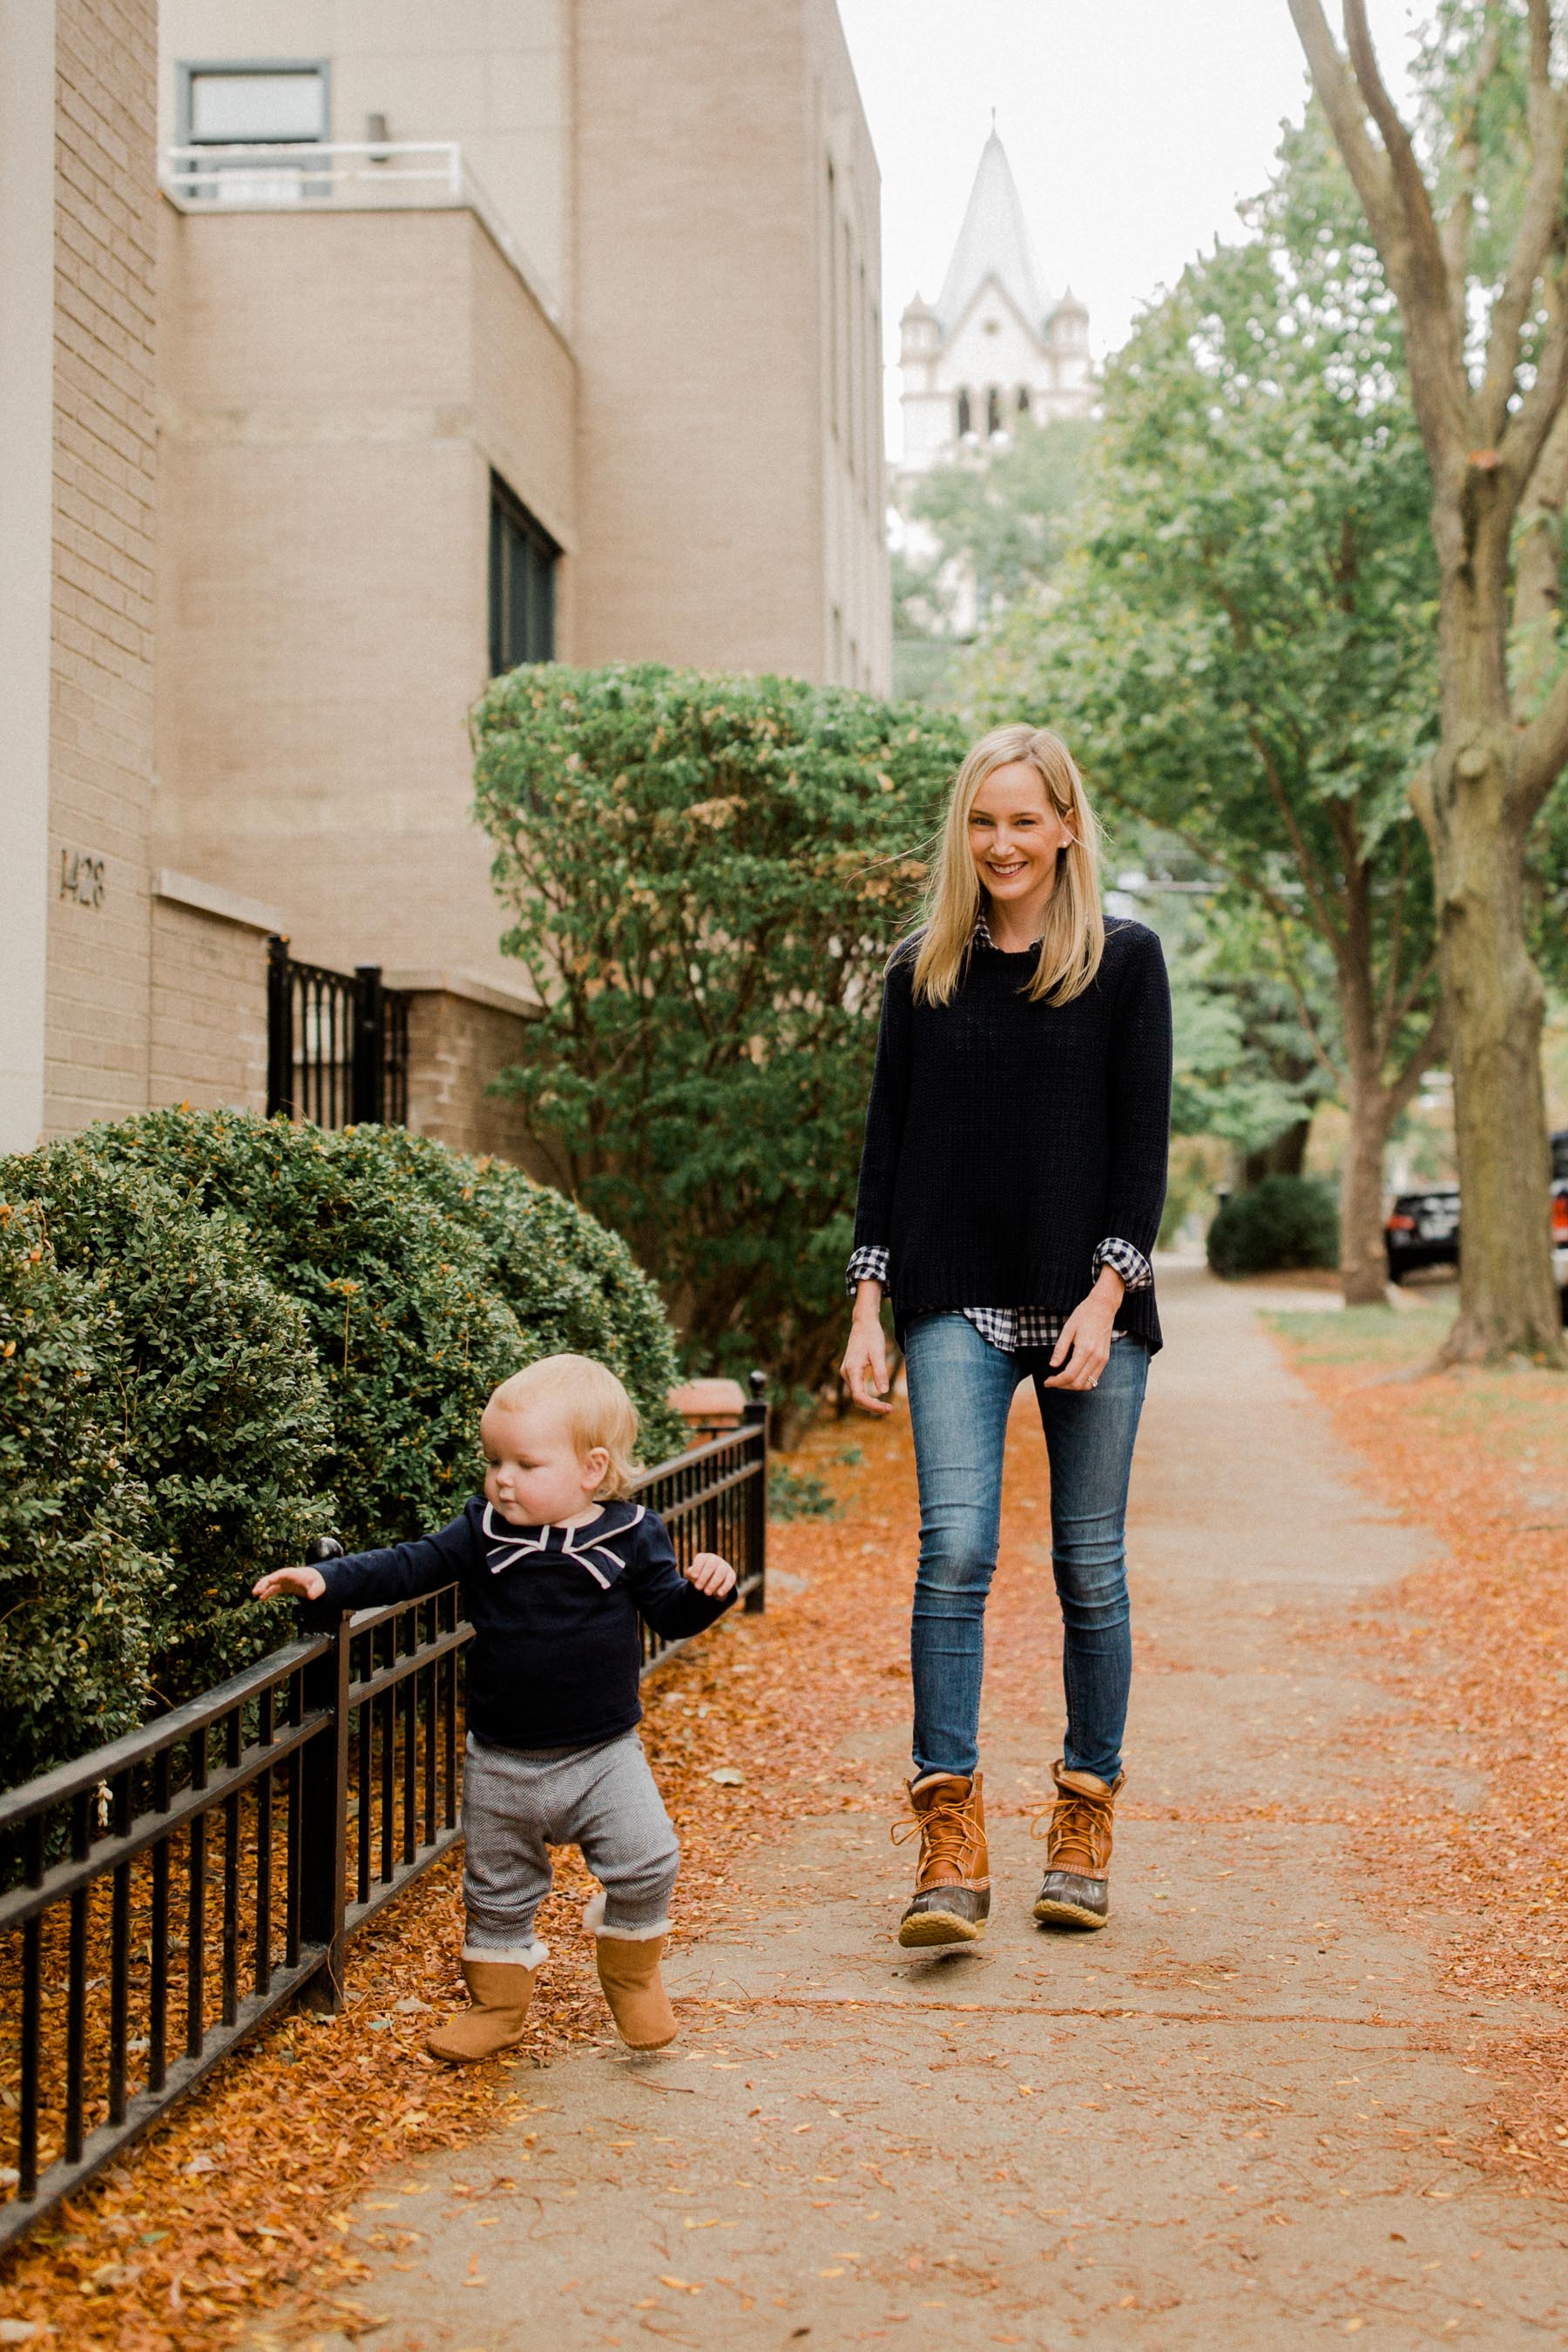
(1239, 2117)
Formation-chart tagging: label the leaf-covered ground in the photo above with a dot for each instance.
(1477, 1647)
(238, 2201)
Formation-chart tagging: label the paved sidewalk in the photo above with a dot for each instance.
(1239, 2118)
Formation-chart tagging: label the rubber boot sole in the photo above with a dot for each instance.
(1051, 1913)
(922, 1931)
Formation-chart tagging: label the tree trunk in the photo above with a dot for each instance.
(1363, 1264)
(1493, 994)
(1286, 1156)
(1508, 1300)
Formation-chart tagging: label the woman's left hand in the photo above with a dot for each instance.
(1082, 1352)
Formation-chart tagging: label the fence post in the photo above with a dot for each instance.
(323, 1810)
(756, 1414)
(279, 1028)
(366, 1088)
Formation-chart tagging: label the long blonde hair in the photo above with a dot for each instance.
(1074, 937)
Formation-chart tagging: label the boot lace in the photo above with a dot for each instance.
(1076, 1833)
(944, 1832)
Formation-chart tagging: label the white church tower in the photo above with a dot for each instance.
(998, 344)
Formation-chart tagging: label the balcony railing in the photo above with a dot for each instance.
(390, 174)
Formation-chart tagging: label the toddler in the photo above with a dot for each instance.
(556, 1566)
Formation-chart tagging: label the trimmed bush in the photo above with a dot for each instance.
(221, 1414)
(77, 1578)
(1284, 1222)
(572, 1285)
(242, 1332)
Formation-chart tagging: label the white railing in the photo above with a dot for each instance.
(271, 171)
(273, 175)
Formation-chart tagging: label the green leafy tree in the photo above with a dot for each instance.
(1469, 220)
(1001, 513)
(703, 876)
(1243, 650)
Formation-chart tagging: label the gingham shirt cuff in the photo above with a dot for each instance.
(869, 1263)
(1131, 1265)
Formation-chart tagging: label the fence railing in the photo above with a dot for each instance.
(163, 1895)
(337, 1043)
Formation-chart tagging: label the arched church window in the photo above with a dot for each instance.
(1023, 400)
(965, 420)
(993, 411)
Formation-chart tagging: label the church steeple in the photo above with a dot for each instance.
(995, 242)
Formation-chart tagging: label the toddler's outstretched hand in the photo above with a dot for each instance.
(308, 1581)
(710, 1574)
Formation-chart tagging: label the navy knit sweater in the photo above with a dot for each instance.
(556, 1656)
(1006, 1138)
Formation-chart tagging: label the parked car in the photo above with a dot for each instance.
(1423, 1228)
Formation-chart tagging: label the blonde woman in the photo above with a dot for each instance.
(1011, 1186)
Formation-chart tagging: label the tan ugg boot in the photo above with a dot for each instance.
(500, 1987)
(952, 1883)
(629, 1973)
(1076, 1892)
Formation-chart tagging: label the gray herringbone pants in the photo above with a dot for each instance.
(518, 1802)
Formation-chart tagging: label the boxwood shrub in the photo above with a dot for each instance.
(262, 1330)
(1283, 1222)
(76, 1577)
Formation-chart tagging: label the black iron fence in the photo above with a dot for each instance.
(337, 1043)
(165, 1895)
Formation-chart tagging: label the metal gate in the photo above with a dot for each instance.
(337, 1043)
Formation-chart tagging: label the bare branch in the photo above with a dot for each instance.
(1454, 229)
(1543, 751)
(1281, 919)
(1428, 1049)
(1540, 230)
(1368, 168)
(1310, 877)
(1398, 209)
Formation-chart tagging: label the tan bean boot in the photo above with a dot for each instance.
(1076, 1892)
(953, 1881)
(629, 1973)
(500, 1987)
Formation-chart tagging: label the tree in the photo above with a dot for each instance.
(703, 876)
(1242, 647)
(1000, 514)
(1474, 242)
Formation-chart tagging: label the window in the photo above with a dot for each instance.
(965, 416)
(223, 105)
(235, 105)
(523, 557)
(993, 411)
(1023, 400)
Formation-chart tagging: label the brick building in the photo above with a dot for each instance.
(351, 355)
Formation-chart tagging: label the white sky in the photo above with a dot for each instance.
(1133, 128)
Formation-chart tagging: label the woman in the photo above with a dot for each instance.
(1011, 1186)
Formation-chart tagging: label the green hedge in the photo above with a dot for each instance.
(77, 1578)
(272, 1330)
(1283, 1222)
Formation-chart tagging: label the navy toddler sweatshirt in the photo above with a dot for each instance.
(556, 1655)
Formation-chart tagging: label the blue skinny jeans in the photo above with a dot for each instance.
(961, 1392)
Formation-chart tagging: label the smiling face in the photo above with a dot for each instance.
(1016, 835)
(533, 1472)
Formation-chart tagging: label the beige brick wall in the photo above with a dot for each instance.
(725, 509)
(98, 1035)
(209, 1010)
(456, 1046)
(338, 389)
